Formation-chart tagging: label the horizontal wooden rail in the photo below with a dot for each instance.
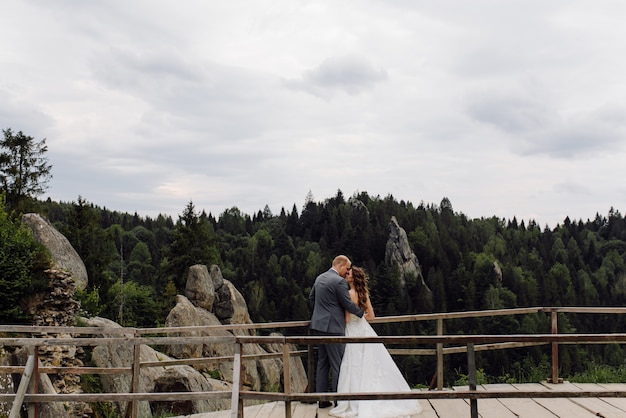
(68, 370)
(417, 394)
(83, 341)
(48, 336)
(487, 341)
(130, 331)
(119, 397)
(459, 349)
(444, 339)
(456, 315)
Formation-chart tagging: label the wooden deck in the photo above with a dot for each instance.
(575, 407)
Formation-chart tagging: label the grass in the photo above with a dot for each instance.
(599, 373)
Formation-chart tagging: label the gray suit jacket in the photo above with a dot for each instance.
(330, 298)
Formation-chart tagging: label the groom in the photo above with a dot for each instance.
(330, 299)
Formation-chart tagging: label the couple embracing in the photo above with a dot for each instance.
(342, 306)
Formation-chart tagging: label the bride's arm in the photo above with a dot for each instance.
(369, 312)
(355, 300)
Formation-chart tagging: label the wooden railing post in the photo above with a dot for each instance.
(554, 329)
(439, 355)
(132, 408)
(287, 379)
(310, 365)
(23, 387)
(33, 408)
(236, 404)
(471, 371)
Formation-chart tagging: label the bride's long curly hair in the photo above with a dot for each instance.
(359, 281)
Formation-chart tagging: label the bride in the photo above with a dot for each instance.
(369, 367)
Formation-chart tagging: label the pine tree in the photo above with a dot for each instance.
(24, 168)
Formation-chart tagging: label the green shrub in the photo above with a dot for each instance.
(463, 379)
(599, 373)
(22, 262)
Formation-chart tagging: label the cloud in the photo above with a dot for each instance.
(532, 122)
(511, 114)
(351, 74)
(19, 114)
(150, 103)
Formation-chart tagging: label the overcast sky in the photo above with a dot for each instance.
(507, 108)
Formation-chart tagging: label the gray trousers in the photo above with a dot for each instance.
(329, 358)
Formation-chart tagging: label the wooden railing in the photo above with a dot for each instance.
(443, 344)
(468, 341)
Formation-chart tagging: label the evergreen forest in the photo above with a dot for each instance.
(137, 264)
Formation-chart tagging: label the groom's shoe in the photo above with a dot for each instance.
(325, 404)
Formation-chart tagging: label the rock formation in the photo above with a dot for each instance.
(398, 251)
(199, 289)
(63, 254)
(229, 307)
(183, 378)
(208, 300)
(58, 308)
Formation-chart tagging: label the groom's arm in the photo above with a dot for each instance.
(346, 302)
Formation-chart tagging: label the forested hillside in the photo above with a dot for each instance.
(136, 266)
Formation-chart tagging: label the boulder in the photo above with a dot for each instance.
(187, 315)
(199, 287)
(216, 276)
(186, 379)
(121, 356)
(64, 256)
(183, 314)
(296, 368)
(223, 369)
(229, 307)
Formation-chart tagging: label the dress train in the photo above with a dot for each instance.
(370, 368)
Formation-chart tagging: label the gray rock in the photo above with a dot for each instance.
(497, 271)
(182, 315)
(398, 251)
(199, 287)
(298, 379)
(186, 379)
(187, 315)
(63, 254)
(230, 307)
(216, 276)
(121, 356)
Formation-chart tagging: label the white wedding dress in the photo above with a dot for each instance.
(370, 368)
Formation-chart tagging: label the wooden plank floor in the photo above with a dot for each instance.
(487, 408)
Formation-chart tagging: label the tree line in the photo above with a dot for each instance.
(273, 260)
(137, 264)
